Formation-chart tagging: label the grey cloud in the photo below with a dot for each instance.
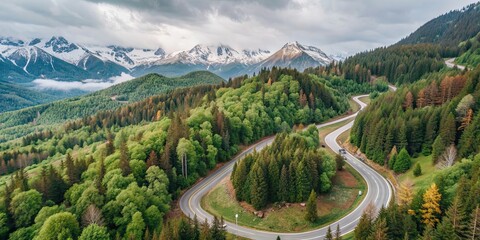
(333, 25)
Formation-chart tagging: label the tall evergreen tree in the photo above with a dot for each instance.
(402, 162)
(124, 158)
(474, 226)
(380, 230)
(329, 235)
(303, 182)
(283, 185)
(311, 205)
(259, 187)
(71, 170)
(338, 234)
(364, 227)
(273, 177)
(457, 218)
(448, 129)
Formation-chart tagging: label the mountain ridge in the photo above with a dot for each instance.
(100, 62)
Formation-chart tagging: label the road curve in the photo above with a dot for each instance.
(379, 191)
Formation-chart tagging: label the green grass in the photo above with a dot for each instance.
(332, 206)
(428, 172)
(353, 105)
(365, 99)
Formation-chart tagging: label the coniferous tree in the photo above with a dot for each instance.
(431, 206)
(457, 218)
(311, 206)
(303, 182)
(329, 235)
(402, 162)
(124, 159)
(259, 187)
(474, 226)
(152, 159)
(338, 234)
(380, 230)
(283, 185)
(71, 171)
(445, 231)
(417, 171)
(100, 175)
(273, 177)
(293, 180)
(438, 148)
(448, 129)
(364, 227)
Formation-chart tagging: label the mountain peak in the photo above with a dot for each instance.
(60, 45)
(292, 44)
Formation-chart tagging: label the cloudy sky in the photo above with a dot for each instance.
(336, 26)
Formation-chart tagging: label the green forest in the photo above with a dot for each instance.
(21, 122)
(428, 117)
(448, 209)
(120, 170)
(286, 171)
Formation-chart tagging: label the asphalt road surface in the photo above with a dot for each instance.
(379, 190)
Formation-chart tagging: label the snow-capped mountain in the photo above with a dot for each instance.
(222, 60)
(214, 55)
(295, 55)
(58, 58)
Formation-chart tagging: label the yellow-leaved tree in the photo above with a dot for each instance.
(431, 206)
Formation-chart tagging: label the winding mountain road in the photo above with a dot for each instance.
(379, 190)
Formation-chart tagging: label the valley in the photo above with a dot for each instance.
(126, 131)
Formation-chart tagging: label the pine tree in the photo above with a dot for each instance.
(273, 177)
(431, 206)
(109, 147)
(448, 129)
(311, 205)
(303, 182)
(438, 148)
(474, 228)
(403, 162)
(292, 183)
(338, 234)
(205, 231)
(445, 230)
(405, 194)
(364, 227)
(380, 230)
(457, 218)
(402, 136)
(417, 171)
(71, 171)
(329, 235)
(152, 159)
(100, 175)
(283, 185)
(124, 159)
(428, 233)
(259, 188)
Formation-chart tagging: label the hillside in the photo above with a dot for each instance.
(14, 97)
(448, 29)
(471, 52)
(107, 99)
(116, 161)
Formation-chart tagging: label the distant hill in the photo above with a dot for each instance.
(448, 29)
(14, 97)
(107, 99)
